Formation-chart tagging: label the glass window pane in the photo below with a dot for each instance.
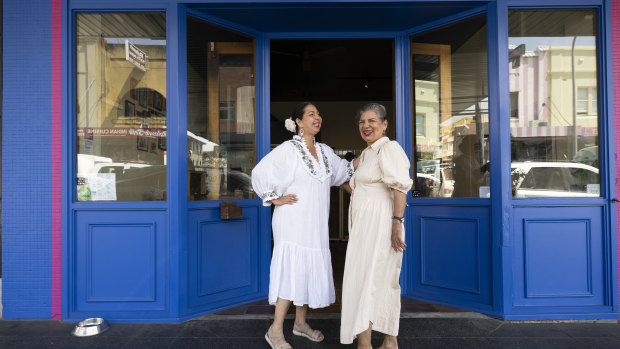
(582, 106)
(514, 104)
(420, 124)
(450, 88)
(582, 93)
(121, 106)
(553, 66)
(220, 112)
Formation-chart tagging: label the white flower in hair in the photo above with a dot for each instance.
(290, 124)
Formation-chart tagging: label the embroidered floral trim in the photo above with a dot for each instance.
(304, 155)
(270, 195)
(309, 161)
(350, 169)
(328, 169)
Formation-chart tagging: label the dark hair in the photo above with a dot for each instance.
(349, 156)
(298, 113)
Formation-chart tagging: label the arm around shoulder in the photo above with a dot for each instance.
(342, 170)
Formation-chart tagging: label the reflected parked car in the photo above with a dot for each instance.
(554, 179)
(430, 186)
(239, 184)
(116, 167)
(588, 156)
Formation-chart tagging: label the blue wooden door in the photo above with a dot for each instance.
(225, 247)
(449, 212)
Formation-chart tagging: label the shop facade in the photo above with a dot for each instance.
(130, 129)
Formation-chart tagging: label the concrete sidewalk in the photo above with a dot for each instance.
(451, 330)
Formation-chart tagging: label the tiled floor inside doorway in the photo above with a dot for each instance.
(338, 251)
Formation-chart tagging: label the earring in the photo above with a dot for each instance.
(301, 132)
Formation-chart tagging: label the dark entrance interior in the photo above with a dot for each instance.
(339, 76)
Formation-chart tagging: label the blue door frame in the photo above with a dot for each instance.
(172, 302)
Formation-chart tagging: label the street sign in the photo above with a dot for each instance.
(134, 55)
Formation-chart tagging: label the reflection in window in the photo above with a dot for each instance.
(220, 113)
(514, 104)
(420, 124)
(553, 68)
(121, 106)
(450, 89)
(546, 179)
(586, 100)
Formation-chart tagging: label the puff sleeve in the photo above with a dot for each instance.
(272, 176)
(342, 170)
(394, 166)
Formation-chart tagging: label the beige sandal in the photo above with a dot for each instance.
(303, 331)
(273, 339)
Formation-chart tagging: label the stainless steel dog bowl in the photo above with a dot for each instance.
(90, 327)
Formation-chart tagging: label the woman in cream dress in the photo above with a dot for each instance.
(370, 289)
(296, 177)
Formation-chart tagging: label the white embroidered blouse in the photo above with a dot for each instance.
(275, 172)
(301, 262)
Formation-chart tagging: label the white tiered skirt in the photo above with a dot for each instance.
(302, 275)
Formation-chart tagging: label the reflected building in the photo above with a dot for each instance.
(543, 126)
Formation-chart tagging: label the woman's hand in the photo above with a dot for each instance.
(400, 201)
(398, 244)
(285, 200)
(347, 187)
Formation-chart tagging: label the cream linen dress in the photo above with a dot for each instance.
(370, 288)
(301, 267)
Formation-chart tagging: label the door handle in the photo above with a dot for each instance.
(230, 210)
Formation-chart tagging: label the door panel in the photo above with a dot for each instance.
(223, 256)
(557, 257)
(121, 262)
(451, 260)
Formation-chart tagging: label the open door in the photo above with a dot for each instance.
(224, 267)
(449, 261)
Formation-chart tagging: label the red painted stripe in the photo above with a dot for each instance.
(615, 42)
(56, 158)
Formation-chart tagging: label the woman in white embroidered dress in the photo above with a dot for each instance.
(296, 177)
(370, 288)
